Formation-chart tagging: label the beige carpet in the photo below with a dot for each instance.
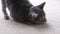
(52, 10)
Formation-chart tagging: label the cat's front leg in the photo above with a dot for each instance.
(4, 9)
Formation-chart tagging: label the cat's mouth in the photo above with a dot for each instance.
(39, 20)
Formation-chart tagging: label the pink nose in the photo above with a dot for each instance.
(34, 15)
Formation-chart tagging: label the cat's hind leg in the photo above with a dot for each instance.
(4, 9)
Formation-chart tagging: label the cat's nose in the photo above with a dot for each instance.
(34, 15)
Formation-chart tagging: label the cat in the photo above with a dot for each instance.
(24, 11)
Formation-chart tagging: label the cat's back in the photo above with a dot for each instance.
(18, 4)
(19, 8)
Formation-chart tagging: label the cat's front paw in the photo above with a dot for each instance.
(7, 17)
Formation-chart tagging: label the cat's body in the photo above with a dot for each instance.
(24, 11)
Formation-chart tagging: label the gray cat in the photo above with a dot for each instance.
(24, 11)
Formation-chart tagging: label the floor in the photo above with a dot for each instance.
(52, 26)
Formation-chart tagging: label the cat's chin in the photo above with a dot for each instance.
(35, 23)
(40, 22)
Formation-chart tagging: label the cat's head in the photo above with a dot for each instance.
(37, 14)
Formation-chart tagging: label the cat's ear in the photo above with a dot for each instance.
(41, 6)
